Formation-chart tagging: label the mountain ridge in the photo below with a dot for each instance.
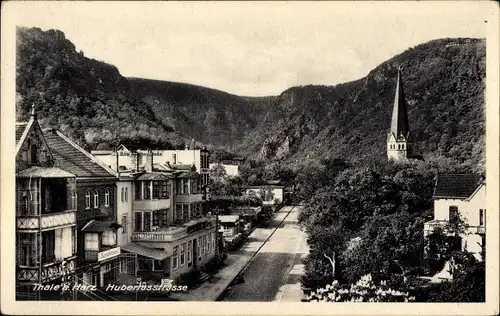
(93, 103)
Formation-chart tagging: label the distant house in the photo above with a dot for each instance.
(232, 170)
(461, 196)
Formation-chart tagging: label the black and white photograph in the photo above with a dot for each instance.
(293, 153)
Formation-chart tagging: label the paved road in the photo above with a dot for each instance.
(273, 274)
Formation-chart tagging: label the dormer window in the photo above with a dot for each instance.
(87, 200)
(96, 199)
(106, 198)
(34, 154)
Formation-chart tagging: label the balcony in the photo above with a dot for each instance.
(47, 221)
(188, 198)
(49, 271)
(152, 205)
(171, 233)
(103, 254)
(431, 225)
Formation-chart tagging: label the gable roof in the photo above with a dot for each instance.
(20, 128)
(455, 185)
(74, 159)
(99, 226)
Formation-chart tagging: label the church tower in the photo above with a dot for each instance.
(399, 142)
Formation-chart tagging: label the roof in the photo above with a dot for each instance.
(153, 176)
(180, 166)
(229, 218)
(20, 128)
(99, 226)
(146, 252)
(42, 172)
(101, 152)
(190, 174)
(399, 122)
(456, 185)
(71, 157)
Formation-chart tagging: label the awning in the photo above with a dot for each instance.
(146, 252)
(229, 218)
(153, 176)
(41, 172)
(99, 226)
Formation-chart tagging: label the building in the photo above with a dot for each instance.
(399, 140)
(99, 260)
(45, 214)
(123, 159)
(164, 225)
(232, 170)
(461, 197)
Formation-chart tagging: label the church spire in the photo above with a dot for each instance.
(33, 111)
(399, 123)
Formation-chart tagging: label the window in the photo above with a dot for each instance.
(138, 222)
(147, 190)
(194, 187)
(138, 190)
(124, 224)
(198, 248)
(87, 199)
(156, 189)
(158, 265)
(209, 241)
(185, 186)
(203, 242)
(175, 258)
(147, 221)
(109, 238)
(96, 199)
(74, 200)
(164, 193)
(185, 212)
(178, 212)
(91, 241)
(453, 213)
(190, 251)
(482, 217)
(213, 241)
(123, 194)
(106, 198)
(27, 254)
(183, 254)
(34, 154)
(126, 194)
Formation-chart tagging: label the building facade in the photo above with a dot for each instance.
(45, 214)
(461, 197)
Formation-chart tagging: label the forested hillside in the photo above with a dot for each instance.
(444, 83)
(208, 115)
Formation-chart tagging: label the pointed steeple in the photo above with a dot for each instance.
(33, 111)
(399, 123)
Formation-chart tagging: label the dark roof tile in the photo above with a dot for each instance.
(456, 185)
(20, 127)
(71, 158)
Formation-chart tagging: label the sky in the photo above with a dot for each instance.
(248, 48)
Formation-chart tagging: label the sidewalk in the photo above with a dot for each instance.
(234, 263)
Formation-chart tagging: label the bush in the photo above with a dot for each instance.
(365, 290)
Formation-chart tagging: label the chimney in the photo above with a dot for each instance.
(149, 161)
(134, 161)
(174, 159)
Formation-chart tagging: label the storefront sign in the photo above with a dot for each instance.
(107, 254)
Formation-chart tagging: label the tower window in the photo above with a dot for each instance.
(34, 154)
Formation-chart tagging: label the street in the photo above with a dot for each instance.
(273, 273)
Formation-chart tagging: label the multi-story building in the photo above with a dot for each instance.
(96, 222)
(165, 225)
(461, 197)
(45, 214)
